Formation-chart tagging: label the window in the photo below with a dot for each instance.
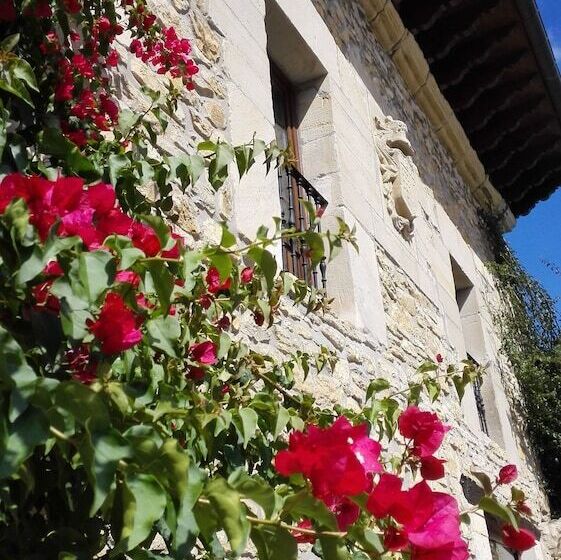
(294, 189)
(471, 330)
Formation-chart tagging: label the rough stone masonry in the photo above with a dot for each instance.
(394, 303)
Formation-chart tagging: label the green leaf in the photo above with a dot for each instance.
(283, 417)
(144, 502)
(303, 504)
(83, 403)
(4, 119)
(490, 505)
(187, 528)
(39, 258)
(127, 119)
(117, 163)
(129, 256)
(377, 386)
(163, 334)
(162, 280)
(484, 480)
(8, 44)
(96, 271)
(246, 424)
(274, 543)
(223, 264)
(315, 243)
(228, 238)
(27, 432)
(54, 143)
(231, 513)
(333, 548)
(255, 488)
(23, 71)
(266, 263)
(102, 457)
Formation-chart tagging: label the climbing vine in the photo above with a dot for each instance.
(531, 338)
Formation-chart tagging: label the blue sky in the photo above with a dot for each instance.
(537, 237)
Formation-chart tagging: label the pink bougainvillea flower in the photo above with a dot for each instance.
(145, 238)
(508, 474)
(395, 539)
(53, 269)
(128, 277)
(424, 428)
(214, 284)
(385, 495)
(432, 468)
(520, 540)
(43, 297)
(117, 327)
(173, 253)
(246, 275)
(204, 352)
(81, 365)
(304, 537)
(7, 10)
(346, 513)
(338, 460)
(195, 373)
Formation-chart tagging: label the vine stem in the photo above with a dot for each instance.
(276, 386)
(282, 524)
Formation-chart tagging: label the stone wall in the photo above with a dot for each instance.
(395, 302)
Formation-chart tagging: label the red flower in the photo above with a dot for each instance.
(430, 520)
(81, 365)
(128, 277)
(346, 513)
(42, 9)
(523, 507)
(43, 297)
(72, 6)
(205, 301)
(424, 428)
(246, 275)
(439, 358)
(53, 269)
(432, 468)
(520, 540)
(195, 373)
(117, 327)
(173, 253)
(7, 10)
(112, 58)
(395, 540)
(258, 318)
(304, 537)
(144, 238)
(385, 496)
(508, 474)
(339, 460)
(204, 352)
(214, 283)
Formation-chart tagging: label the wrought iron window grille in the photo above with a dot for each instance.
(294, 189)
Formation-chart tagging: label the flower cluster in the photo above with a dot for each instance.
(168, 54)
(342, 462)
(79, 55)
(339, 462)
(66, 208)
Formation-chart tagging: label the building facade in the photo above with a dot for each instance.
(381, 141)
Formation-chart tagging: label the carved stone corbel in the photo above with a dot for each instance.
(399, 173)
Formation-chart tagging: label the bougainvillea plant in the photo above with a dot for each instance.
(129, 406)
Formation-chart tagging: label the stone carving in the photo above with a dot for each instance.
(399, 173)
